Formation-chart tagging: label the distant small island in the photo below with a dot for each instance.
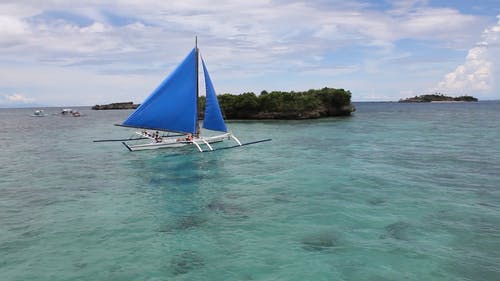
(310, 104)
(437, 97)
(117, 105)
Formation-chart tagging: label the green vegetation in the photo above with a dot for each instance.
(117, 105)
(285, 105)
(438, 97)
(273, 105)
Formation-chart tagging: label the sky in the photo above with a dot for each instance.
(62, 53)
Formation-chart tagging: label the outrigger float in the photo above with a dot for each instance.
(172, 142)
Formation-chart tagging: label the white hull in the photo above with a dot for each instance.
(155, 145)
(39, 113)
(176, 142)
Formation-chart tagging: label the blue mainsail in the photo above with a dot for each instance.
(213, 119)
(173, 105)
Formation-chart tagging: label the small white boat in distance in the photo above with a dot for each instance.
(70, 112)
(66, 111)
(39, 113)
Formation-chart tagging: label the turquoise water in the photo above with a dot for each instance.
(395, 192)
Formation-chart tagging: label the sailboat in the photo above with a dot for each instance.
(173, 108)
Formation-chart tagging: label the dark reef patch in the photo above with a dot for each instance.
(190, 222)
(227, 209)
(397, 230)
(319, 241)
(376, 201)
(184, 223)
(186, 261)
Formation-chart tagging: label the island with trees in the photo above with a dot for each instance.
(438, 97)
(117, 105)
(310, 104)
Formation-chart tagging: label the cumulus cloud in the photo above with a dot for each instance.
(12, 31)
(477, 73)
(11, 25)
(244, 40)
(16, 99)
(258, 25)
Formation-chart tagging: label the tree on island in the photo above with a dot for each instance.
(438, 97)
(285, 105)
(273, 105)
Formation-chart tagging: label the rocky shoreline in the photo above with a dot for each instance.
(294, 115)
(313, 114)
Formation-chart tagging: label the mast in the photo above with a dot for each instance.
(197, 134)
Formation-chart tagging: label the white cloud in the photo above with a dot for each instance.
(477, 74)
(16, 99)
(403, 6)
(12, 31)
(438, 23)
(261, 25)
(11, 25)
(96, 27)
(53, 85)
(243, 41)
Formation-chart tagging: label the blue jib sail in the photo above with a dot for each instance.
(213, 119)
(172, 106)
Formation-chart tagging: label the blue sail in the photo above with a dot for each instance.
(173, 105)
(213, 116)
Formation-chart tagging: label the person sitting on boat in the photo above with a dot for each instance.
(157, 137)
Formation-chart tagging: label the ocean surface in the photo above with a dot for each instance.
(395, 192)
